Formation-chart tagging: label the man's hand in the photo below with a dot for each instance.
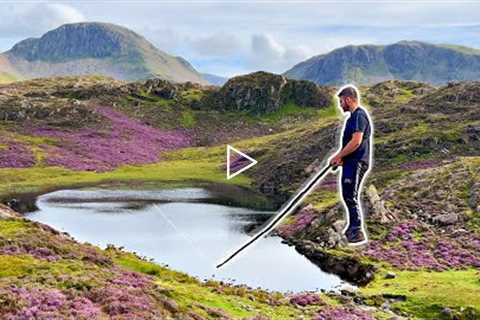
(336, 160)
(351, 146)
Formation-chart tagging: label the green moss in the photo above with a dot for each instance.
(132, 262)
(147, 100)
(192, 95)
(15, 266)
(427, 293)
(404, 96)
(11, 227)
(187, 119)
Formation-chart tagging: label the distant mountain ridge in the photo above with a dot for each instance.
(94, 48)
(404, 60)
(214, 79)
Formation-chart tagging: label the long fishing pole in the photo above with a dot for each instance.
(285, 211)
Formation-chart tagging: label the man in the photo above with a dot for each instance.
(355, 159)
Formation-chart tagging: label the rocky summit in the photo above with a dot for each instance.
(263, 92)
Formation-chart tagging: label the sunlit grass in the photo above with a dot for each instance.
(427, 293)
(37, 179)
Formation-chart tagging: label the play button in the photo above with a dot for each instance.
(237, 162)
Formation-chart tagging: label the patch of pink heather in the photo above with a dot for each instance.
(343, 314)
(15, 155)
(122, 141)
(328, 184)
(35, 303)
(305, 299)
(429, 251)
(300, 221)
(126, 297)
(39, 253)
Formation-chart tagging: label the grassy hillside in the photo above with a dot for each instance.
(421, 196)
(47, 274)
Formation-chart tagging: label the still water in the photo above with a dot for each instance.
(181, 228)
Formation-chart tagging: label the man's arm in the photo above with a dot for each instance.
(360, 125)
(352, 145)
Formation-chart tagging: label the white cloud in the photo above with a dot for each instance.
(30, 20)
(217, 44)
(267, 53)
(166, 39)
(255, 35)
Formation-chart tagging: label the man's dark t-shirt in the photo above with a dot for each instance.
(358, 121)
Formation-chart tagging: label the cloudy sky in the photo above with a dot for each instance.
(235, 37)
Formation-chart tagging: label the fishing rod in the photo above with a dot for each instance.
(285, 211)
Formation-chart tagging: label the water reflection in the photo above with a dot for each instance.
(176, 228)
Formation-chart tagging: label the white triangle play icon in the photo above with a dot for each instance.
(237, 162)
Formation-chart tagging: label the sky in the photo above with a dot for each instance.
(229, 38)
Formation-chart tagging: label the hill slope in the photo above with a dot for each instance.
(94, 48)
(421, 199)
(405, 60)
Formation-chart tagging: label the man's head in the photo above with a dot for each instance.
(348, 97)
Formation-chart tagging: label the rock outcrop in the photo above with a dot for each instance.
(263, 92)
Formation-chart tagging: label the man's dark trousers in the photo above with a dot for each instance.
(353, 173)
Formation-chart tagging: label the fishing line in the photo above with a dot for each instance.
(284, 211)
(185, 237)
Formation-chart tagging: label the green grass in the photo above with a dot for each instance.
(188, 119)
(26, 265)
(404, 96)
(429, 292)
(146, 100)
(38, 179)
(189, 292)
(191, 95)
(16, 266)
(130, 261)
(322, 199)
(291, 109)
(10, 228)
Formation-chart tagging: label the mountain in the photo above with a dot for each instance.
(404, 60)
(93, 48)
(214, 79)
